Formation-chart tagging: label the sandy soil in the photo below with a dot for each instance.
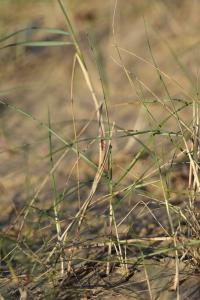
(38, 79)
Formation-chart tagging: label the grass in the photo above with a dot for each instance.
(90, 231)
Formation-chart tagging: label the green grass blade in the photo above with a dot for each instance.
(44, 125)
(71, 30)
(38, 44)
(37, 29)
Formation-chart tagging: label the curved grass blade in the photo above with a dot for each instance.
(38, 44)
(44, 125)
(28, 29)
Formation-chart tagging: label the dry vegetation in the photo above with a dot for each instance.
(99, 147)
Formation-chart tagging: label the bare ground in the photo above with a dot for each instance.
(38, 79)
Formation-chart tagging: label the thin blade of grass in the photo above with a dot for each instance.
(44, 125)
(37, 29)
(38, 44)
